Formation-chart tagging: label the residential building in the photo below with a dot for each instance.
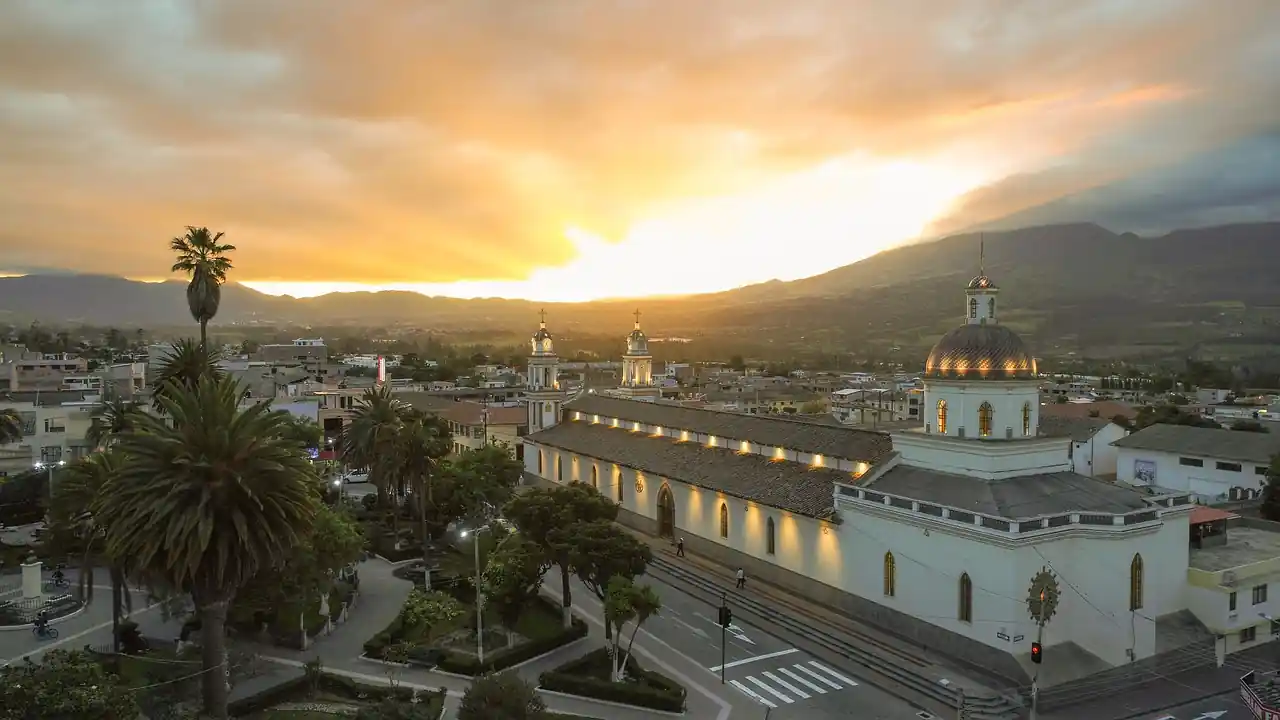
(1091, 451)
(474, 424)
(41, 371)
(1234, 562)
(1213, 465)
(54, 427)
(309, 354)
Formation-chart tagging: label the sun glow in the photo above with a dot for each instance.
(804, 224)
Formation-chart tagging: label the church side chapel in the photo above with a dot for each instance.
(938, 533)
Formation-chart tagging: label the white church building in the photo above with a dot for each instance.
(935, 533)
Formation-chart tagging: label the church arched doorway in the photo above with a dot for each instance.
(666, 512)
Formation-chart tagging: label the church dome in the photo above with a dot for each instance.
(982, 282)
(637, 343)
(541, 341)
(980, 352)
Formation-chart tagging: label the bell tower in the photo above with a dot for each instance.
(543, 399)
(637, 368)
(980, 295)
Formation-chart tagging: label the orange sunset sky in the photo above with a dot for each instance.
(576, 149)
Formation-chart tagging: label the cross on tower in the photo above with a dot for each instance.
(982, 255)
(637, 317)
(543, 315)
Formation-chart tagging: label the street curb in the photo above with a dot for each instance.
(553, 693)
(388, 663)
(397, 563)
(54, 621)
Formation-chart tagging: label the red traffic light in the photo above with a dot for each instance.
(1036, 657)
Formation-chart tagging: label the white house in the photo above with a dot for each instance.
(1091, 451)
(1211, 464)
(935, 533)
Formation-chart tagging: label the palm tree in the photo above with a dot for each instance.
(71, 513)
(202, 255)
(10, 426)
(421, 442)
(205, 503)
(109, 420)
(183, 366)
(369, 441)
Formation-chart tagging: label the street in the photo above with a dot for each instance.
(1222, 707)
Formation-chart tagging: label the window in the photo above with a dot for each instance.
(455, 449)
(966, 598)
(942, 417)
(1026, 419)
(1135, 584)
(1248, 635)
(985, 414)
(50, 454)
(890, 581)
(1260, 470)
(991, 308)
(595, 477)
(769, 546)
(1191, 462)
(724, 520)
(1229, 467)
(559, 469)
(617, 481)
(1259, 594)
(973, 307)
(1231, 602)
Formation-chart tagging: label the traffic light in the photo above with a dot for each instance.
(726, 617)
(1036, 656)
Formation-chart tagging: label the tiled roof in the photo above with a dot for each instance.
(1205, 442)
(1079, 429)
(1017, 497)
(778, 483)
(469, 413)
(829, 441)
(1106, 409)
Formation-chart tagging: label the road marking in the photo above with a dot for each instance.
(744, 661)
(799, 679)
(789, 687)
(816, 676)
(751, 694)
(696, 631)
(770, 690)
(833, 673)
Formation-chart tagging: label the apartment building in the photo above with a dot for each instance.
(40, 371)
(309, 354)
(474, 424)
(54, 427)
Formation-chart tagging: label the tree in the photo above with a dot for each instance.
(1270, 507)
(109, 420)
(601, 551)
(420, 443)
(512, 578)
(1170, 415)
(64, 686)
(501, 697)
(426, 610)
(369, 440)
(737, 363)
(10, 426)
(71, 513)
(541, 515)
(207, 502)
(203, 256)
(813, 407)
(304, 431)
(624, 602)
(182, 368)
(475, 483)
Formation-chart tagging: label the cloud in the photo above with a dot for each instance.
(397, 141)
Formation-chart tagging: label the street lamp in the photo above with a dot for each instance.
(475, 543)
(51, 466)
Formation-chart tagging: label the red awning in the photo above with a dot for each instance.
(1203, 514)
(328, 455)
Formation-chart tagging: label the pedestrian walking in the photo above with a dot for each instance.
(742, 579)
(680, 547)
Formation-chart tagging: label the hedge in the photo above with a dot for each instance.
(376, 646)
(298, 688)
(582, 677)
(502, 659)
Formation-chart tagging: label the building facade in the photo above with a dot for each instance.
(1212, 465)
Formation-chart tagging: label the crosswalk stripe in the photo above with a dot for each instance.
(799, 679)
(816, 676)
(752, 694)
(790, 688)
(770, 690)
(833, 673)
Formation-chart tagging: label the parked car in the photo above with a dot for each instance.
(352, 478)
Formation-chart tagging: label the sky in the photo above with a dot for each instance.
(578, 149)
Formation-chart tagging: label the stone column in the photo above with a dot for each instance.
(32, 579)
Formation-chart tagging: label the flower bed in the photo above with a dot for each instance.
(333, 687)
(588, 676)
(541, 626)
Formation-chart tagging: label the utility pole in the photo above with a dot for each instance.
(1042, 602)
(1035, 679)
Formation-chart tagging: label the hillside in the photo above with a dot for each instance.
(1068, 288)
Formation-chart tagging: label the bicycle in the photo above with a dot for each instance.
(45, 631)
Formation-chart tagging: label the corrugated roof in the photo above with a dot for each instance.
(1205, 442)
(829, 441)
(778, 483)
(1079, 429)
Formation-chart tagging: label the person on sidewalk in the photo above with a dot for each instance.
(742, 579)
(680, 547)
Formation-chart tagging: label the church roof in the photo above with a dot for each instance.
(832, 442)
(1025, 496)
(980, 352)
(784, 485)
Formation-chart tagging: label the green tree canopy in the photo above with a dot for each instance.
(203, 256)
(501, 697)
(1270, 506)
(512, 577)
(601, 551)
(64, 686)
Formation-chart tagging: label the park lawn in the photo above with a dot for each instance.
(539, 621)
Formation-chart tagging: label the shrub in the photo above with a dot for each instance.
(297, 689)
(461, 664)
(588, 676)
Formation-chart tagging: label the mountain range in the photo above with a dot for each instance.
(1072, 288)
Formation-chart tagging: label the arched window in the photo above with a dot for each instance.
(559, 469)
(539, 462)
(724, 520)
(617, 481)
(1026, 419)
(991, 308)
(769, 546)
(966, 598)
(1135, 583)
(973, 307)
(942, 417)
(890, 581)
(595, 477)
(984, 419)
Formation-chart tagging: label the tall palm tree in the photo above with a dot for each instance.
(421, 442)
(71, 512)
(111, 418)
(369, 441)
(203, 256)
(182, 367)
(10, 426)
(206, 502)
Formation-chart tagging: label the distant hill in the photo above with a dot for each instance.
(1068, 288)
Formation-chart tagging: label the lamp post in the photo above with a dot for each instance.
(475, 543)
(50, 466)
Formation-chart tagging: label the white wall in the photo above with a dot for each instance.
(1097, 456)
(1207, 482)
(963, 399)
(986, 459)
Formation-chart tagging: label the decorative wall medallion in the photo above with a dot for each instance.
(639, 485)
(1042, 596)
